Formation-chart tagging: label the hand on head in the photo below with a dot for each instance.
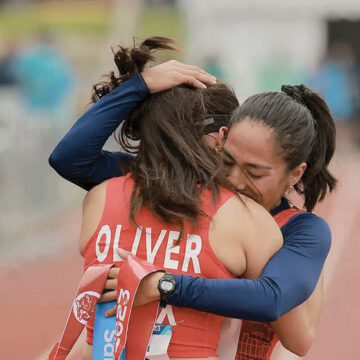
(172, 73)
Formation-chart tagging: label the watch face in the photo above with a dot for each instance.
(166, 285)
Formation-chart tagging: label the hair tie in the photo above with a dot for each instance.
(287, 89)
(300, 93)
(306, 92)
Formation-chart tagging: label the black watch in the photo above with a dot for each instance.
(166, 287)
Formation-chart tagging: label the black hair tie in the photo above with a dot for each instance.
(299, 93)
(306, 92)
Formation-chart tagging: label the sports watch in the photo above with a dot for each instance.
(166, 287)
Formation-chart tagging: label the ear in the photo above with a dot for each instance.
(296, 174)
(223, 132)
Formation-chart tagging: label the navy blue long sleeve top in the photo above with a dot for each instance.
(288, 279)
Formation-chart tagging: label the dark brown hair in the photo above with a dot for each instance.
(304, 132)
(130, 61)
(173, 164)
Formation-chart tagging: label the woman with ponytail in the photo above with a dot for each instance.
(276, 142)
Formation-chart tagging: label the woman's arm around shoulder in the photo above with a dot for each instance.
(307, 240)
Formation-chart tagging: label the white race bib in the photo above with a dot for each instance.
(159, 342)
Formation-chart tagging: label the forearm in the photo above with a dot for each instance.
(315, 303)
(296, 329)
(264, 299)
(79, 157)
(256, 300)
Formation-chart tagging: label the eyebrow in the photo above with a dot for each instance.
(252, 165)
(259, 166)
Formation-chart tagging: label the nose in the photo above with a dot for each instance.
(237, 178)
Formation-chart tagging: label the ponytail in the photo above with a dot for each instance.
(317, 179)
(130, 62)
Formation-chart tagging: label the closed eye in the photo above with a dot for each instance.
(253, 176)
(228, 162)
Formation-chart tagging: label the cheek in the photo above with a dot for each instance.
(269, 189)
(234, 174)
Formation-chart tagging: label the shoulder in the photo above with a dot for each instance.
(308, 229)
(96, 195)
(239, 207)
(93, 208)
(240, 213)
(244, 226)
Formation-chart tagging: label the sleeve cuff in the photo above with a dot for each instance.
(173, 299)
(144, 87)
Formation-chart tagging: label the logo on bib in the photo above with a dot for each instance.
(84, 305)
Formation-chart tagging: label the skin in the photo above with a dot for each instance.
(249, 151)
(172, 73)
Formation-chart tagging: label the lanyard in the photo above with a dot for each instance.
(129, 278)
(88, 293)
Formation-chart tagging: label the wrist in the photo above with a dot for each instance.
(146, 78)
(154, 286)
(166, 287)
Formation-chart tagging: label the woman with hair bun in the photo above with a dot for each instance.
(265, 158)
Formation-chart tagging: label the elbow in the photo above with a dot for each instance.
(272, 314)
(55, 161)
(59, 163)
(302, 346)
(269, 312)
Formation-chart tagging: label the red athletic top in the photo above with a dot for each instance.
(196, 333)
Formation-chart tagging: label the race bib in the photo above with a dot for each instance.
(159, 342)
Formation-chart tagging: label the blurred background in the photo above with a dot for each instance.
(52, 52)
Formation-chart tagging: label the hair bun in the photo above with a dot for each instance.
(131, 61)
(157, 43)
(305, 91)
(296, 92)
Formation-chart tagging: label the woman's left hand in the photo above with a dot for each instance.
(147, 291)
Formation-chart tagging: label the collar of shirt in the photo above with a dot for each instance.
(284, 205)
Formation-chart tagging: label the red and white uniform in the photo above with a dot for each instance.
(195, 333)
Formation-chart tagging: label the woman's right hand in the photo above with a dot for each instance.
(172, 73)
